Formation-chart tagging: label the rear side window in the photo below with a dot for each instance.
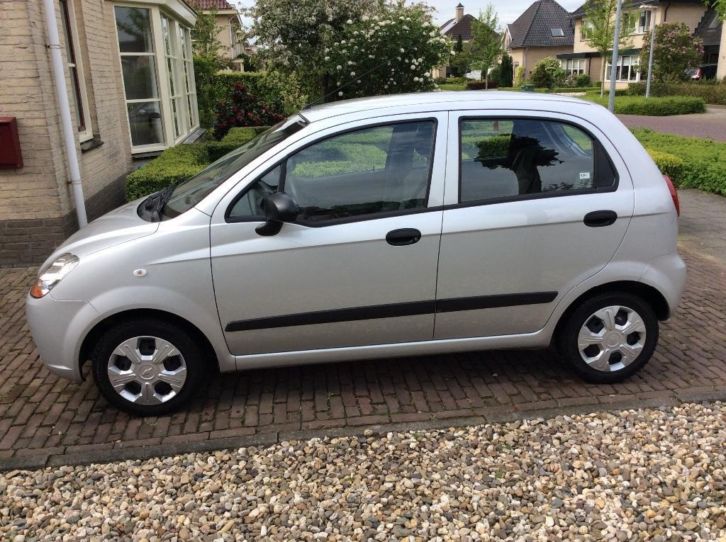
(504, 159)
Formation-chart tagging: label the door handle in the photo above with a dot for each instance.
(598, 219)
(404, 236)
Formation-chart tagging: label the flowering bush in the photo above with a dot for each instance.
(675, 51)
(242, 109)
(393, 51)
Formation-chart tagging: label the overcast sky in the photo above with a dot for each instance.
(508, 10)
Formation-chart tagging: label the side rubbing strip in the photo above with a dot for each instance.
(393, 310)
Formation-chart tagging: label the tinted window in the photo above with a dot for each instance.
(525, 157)
(364, 172)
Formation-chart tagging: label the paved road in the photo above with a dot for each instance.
(46, 420)
(711, 124)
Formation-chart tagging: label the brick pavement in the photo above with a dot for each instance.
(47, 420)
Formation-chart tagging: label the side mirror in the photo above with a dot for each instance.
(279, 208)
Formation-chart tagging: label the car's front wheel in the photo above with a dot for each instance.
(609, 337)
(147, 367)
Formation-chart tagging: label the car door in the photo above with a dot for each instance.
(358, 266)
(541, 203)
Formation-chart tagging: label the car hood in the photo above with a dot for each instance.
(119, 226)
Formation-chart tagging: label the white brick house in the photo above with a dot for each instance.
(130, 81)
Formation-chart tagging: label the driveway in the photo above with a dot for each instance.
(46, 420)
(711, 124)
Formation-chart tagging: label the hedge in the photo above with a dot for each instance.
(701, 162)
(179, 163)
(711, 91)
(658, 107)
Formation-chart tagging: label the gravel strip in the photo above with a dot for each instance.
(633, 475)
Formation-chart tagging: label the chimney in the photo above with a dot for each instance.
(459, 12)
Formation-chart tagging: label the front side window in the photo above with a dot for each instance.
(628, 68)
(502, 159)
(187, 194)
(363, 173)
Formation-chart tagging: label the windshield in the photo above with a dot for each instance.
(190, 192)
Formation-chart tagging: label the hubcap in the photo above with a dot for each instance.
(611, 338)
(147, 370)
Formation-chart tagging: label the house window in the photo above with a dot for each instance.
(628, 69)
(574, 66)
(585, 30)
(75, 71)
(557, 32)
(644, 21)
(158, 77)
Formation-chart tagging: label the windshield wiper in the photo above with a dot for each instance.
(152, 207)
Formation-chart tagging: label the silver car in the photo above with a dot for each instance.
(392, 226)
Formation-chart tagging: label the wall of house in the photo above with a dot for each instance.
(684, 13)
(224, 22)
(721, 68)
(36, 209)
(530, 56)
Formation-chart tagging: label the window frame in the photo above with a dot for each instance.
(76, 70)
(347, 220)
(182, 69)
(599, 152)
(632, 68)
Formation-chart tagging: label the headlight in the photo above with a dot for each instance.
(62, 265)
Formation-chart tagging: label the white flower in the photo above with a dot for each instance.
(351, 63)
(349, 21)
(403, 50)
(340, 93)
(413, 67)
(327, 58)
(416, 79)
(352, 74)
(339, 67)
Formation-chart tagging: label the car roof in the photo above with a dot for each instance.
(447, 100)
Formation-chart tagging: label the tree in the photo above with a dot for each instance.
(548, 73)
(204, 36)
(486, 44)
(391, 52)
(506, 71)
(598, 28)
(675, 51)
(293, 34)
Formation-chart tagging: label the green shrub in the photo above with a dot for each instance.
(481, 85)
(659, 107)
(548, 73)
(179, 163)
(703, 160)
(172, 166)
(669, 164)
(711, 91)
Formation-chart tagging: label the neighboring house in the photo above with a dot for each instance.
(543, 30)
(229, 24)
(585, 59)
(458, 28)
(130, 88)
(709, 30)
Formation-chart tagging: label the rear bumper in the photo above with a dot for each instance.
(58, 329)
(668, 275)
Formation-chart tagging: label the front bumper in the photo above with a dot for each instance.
(58, 329)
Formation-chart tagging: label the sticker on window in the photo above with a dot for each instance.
(584, 175)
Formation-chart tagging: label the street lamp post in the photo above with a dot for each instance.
(650, 9)
(614, 61)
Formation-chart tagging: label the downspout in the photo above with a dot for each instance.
(61, 94)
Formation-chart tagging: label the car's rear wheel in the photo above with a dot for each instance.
(609, 337)
(147, 367)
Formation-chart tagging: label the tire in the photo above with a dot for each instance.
(147, 367)
(624, 343)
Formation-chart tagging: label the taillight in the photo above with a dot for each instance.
(674, 194)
